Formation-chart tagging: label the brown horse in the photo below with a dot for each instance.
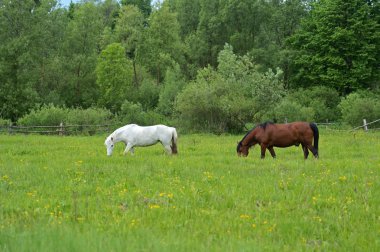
(269, 135)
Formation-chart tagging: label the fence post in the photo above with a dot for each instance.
(61, 129)
(365, 125)
(10, 128)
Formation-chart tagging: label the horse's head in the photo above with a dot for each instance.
(242, 150)
(109, 143)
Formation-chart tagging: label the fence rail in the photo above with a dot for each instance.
(62, 129)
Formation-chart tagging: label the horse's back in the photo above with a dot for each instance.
(283, 135)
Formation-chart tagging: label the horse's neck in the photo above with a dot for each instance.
(117, 136)
(252, 137)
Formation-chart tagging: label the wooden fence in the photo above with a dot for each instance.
(89, 129)
(60, 130)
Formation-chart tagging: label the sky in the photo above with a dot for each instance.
(67, 2)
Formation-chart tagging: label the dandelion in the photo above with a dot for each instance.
(154, 206)
(315, 199)
(342, 178)
(253, 225)
(317, 218)
(208, 174)
(271, 228)
(245, 216)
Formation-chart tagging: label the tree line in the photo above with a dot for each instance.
(205, 64)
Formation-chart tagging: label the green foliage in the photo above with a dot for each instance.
(143, 5)
(47, 115)
(339, 46)
(79, 52)
(114, 77)
(162, 45)
(225, 99)
(50, 115)
(290, 111)
(134, 113)
(174, 82)
(358, 106)
(148, 94)
(323, 100)
(4, 122)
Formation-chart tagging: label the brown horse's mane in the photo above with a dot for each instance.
(264, 125)
(261, 125)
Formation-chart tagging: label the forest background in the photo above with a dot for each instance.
(202, 65)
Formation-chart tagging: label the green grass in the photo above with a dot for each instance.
(65, 194)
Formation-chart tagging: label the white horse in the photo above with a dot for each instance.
(135, 135)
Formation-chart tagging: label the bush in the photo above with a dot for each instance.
(86, 119)
(226, 98)
(290, 111)
(323, 100)
(47, 115)
(4, 122)
(358, 106)
(134, 113)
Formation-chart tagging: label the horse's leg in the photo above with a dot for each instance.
(167, 147)
(127, 148)
(132, 150)
(263, 149)
(271, 150)
(305, 151)
(313, 150)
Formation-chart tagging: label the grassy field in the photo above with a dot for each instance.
(65, 194)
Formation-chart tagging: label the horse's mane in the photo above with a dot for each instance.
(264, 125)
(261, 125)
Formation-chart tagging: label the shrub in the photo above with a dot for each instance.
(323, 100)
(134, 113)
(47, 115)
(226, 98)
(358, 106)
(85, 120)
(290, 111)
(4, 122)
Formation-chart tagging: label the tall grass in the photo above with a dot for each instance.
(65, 194)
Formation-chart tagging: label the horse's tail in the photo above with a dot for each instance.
(174, 142)
(315, 130)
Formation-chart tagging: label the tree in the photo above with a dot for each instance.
(144, 6)
(79, 54)
(30, 35)
(128, 31)
(338, 45)
(161, 46)
(114, 77)
(227, 98)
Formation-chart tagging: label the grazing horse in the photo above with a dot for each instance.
(134, 135)
(269, 135)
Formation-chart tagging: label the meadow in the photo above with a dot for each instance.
(65, 194)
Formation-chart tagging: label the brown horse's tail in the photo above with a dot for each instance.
(174, 142)
(315, 130)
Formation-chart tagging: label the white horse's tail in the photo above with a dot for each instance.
(174, 142)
